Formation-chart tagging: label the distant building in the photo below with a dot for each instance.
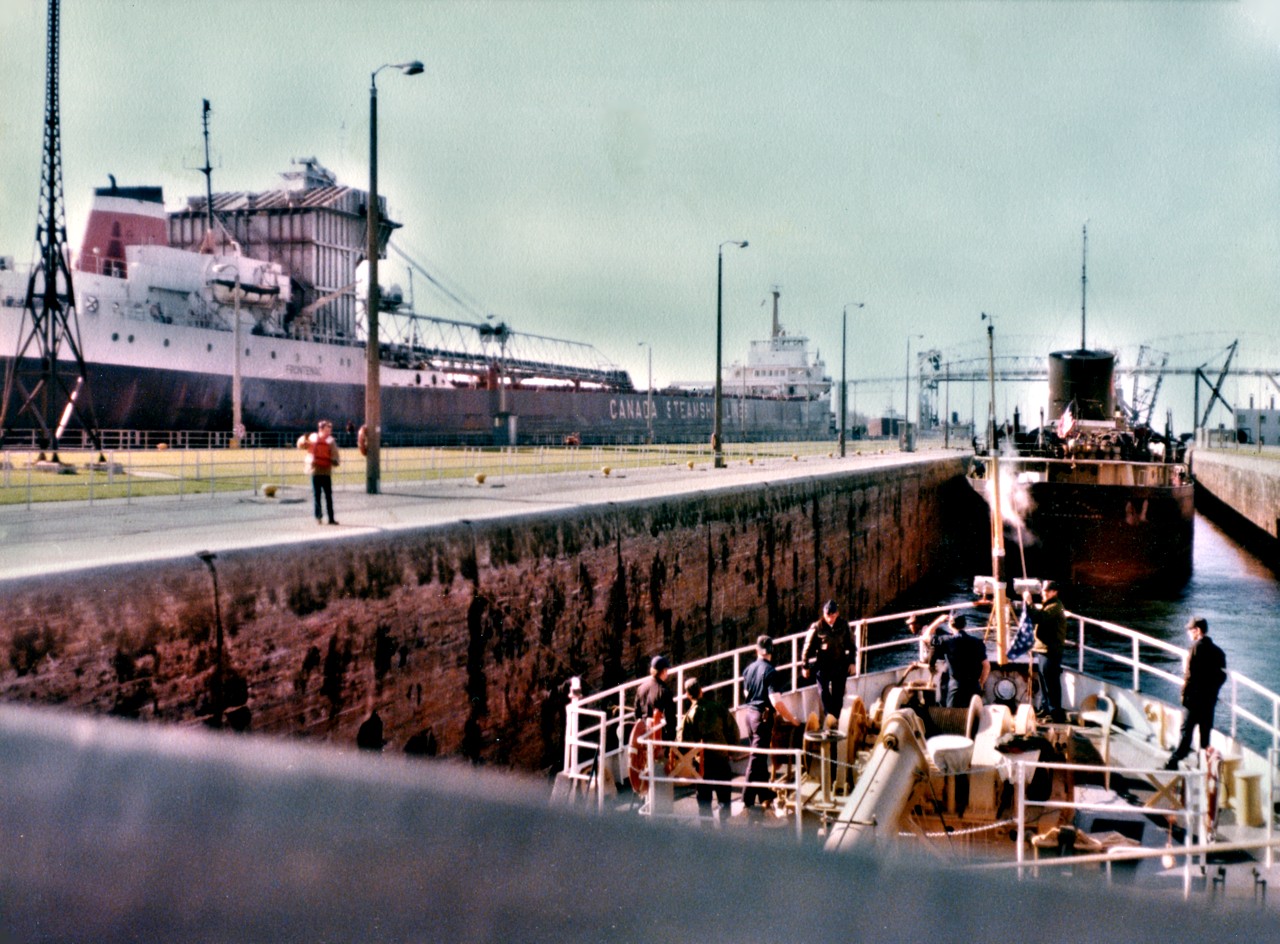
(1259, 425)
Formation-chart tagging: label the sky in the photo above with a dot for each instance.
(573, 168)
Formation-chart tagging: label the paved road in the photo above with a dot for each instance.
(68, 536)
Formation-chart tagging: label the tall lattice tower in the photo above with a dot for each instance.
(40, 383)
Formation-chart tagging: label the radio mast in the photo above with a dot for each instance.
(47, 377)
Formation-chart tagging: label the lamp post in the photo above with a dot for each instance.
(373, 381)
(208, 557)
(717, 443)
(237, 426)
(906, 411)
(844, 368)
(649, 408)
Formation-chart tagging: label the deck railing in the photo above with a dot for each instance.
(1253, 710)
(597, 723)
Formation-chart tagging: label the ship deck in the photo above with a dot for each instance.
(1086, 797)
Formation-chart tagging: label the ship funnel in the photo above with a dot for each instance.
(1083, 380)
(121, 217)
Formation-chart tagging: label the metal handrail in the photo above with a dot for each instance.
(1141, 671)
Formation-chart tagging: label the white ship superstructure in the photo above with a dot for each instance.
(778, 368)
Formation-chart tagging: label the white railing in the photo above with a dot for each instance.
(1194, 803)
(606, 716)
(596, 721)
(1262, 732)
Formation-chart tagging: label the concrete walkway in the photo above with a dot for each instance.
(59, 537)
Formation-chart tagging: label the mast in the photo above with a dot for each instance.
(207, 170)
(48, 387)
(1084, 280)
(999, 604)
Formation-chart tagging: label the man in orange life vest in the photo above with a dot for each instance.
(322, 459)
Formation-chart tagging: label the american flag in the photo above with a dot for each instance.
(1066, 423)
(1024, 638)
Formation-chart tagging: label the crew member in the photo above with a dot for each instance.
(762, 689)
(967, 662)
(655, 695)
(828, 657)
(1050, 621)
(1205, 672)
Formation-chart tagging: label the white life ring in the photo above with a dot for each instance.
(638, 756)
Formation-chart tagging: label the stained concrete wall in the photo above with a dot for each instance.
(462, 636)
(1247, 484)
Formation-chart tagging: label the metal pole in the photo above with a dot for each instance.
(716, 449)
(373, 354)
(208, 557)
(717, 444)
(946, 425)
(844, 374)
(373, 379)
(906, 413)
(650, 409)
(237, 426)
(906, 406)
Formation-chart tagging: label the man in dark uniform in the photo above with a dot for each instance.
(1050, 620)
(967, 662)
(762, 689)
(1206, 671)
(654, 695)
(828, 654)
(709, 722)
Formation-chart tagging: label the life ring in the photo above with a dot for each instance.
(362, 440)
(638, 755)
(1212, 778)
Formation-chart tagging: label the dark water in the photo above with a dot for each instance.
(1230, 587)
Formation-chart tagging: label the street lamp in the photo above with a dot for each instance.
(373, 381)
(844, 367)
(649, 409)
(906, 407)
(237, 426)
(208, 557)
(717, 445)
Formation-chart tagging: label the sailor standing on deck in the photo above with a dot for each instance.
(322, 459)
(967, 662)
(828, 657)
(762, 689)
(1206, 671)
(1050, 621)
(654, 694)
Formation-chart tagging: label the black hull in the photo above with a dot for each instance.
(1100, 536)
(134, 398)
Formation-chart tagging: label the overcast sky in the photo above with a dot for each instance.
(572, 167)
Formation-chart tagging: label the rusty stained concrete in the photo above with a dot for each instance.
(462, 636)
